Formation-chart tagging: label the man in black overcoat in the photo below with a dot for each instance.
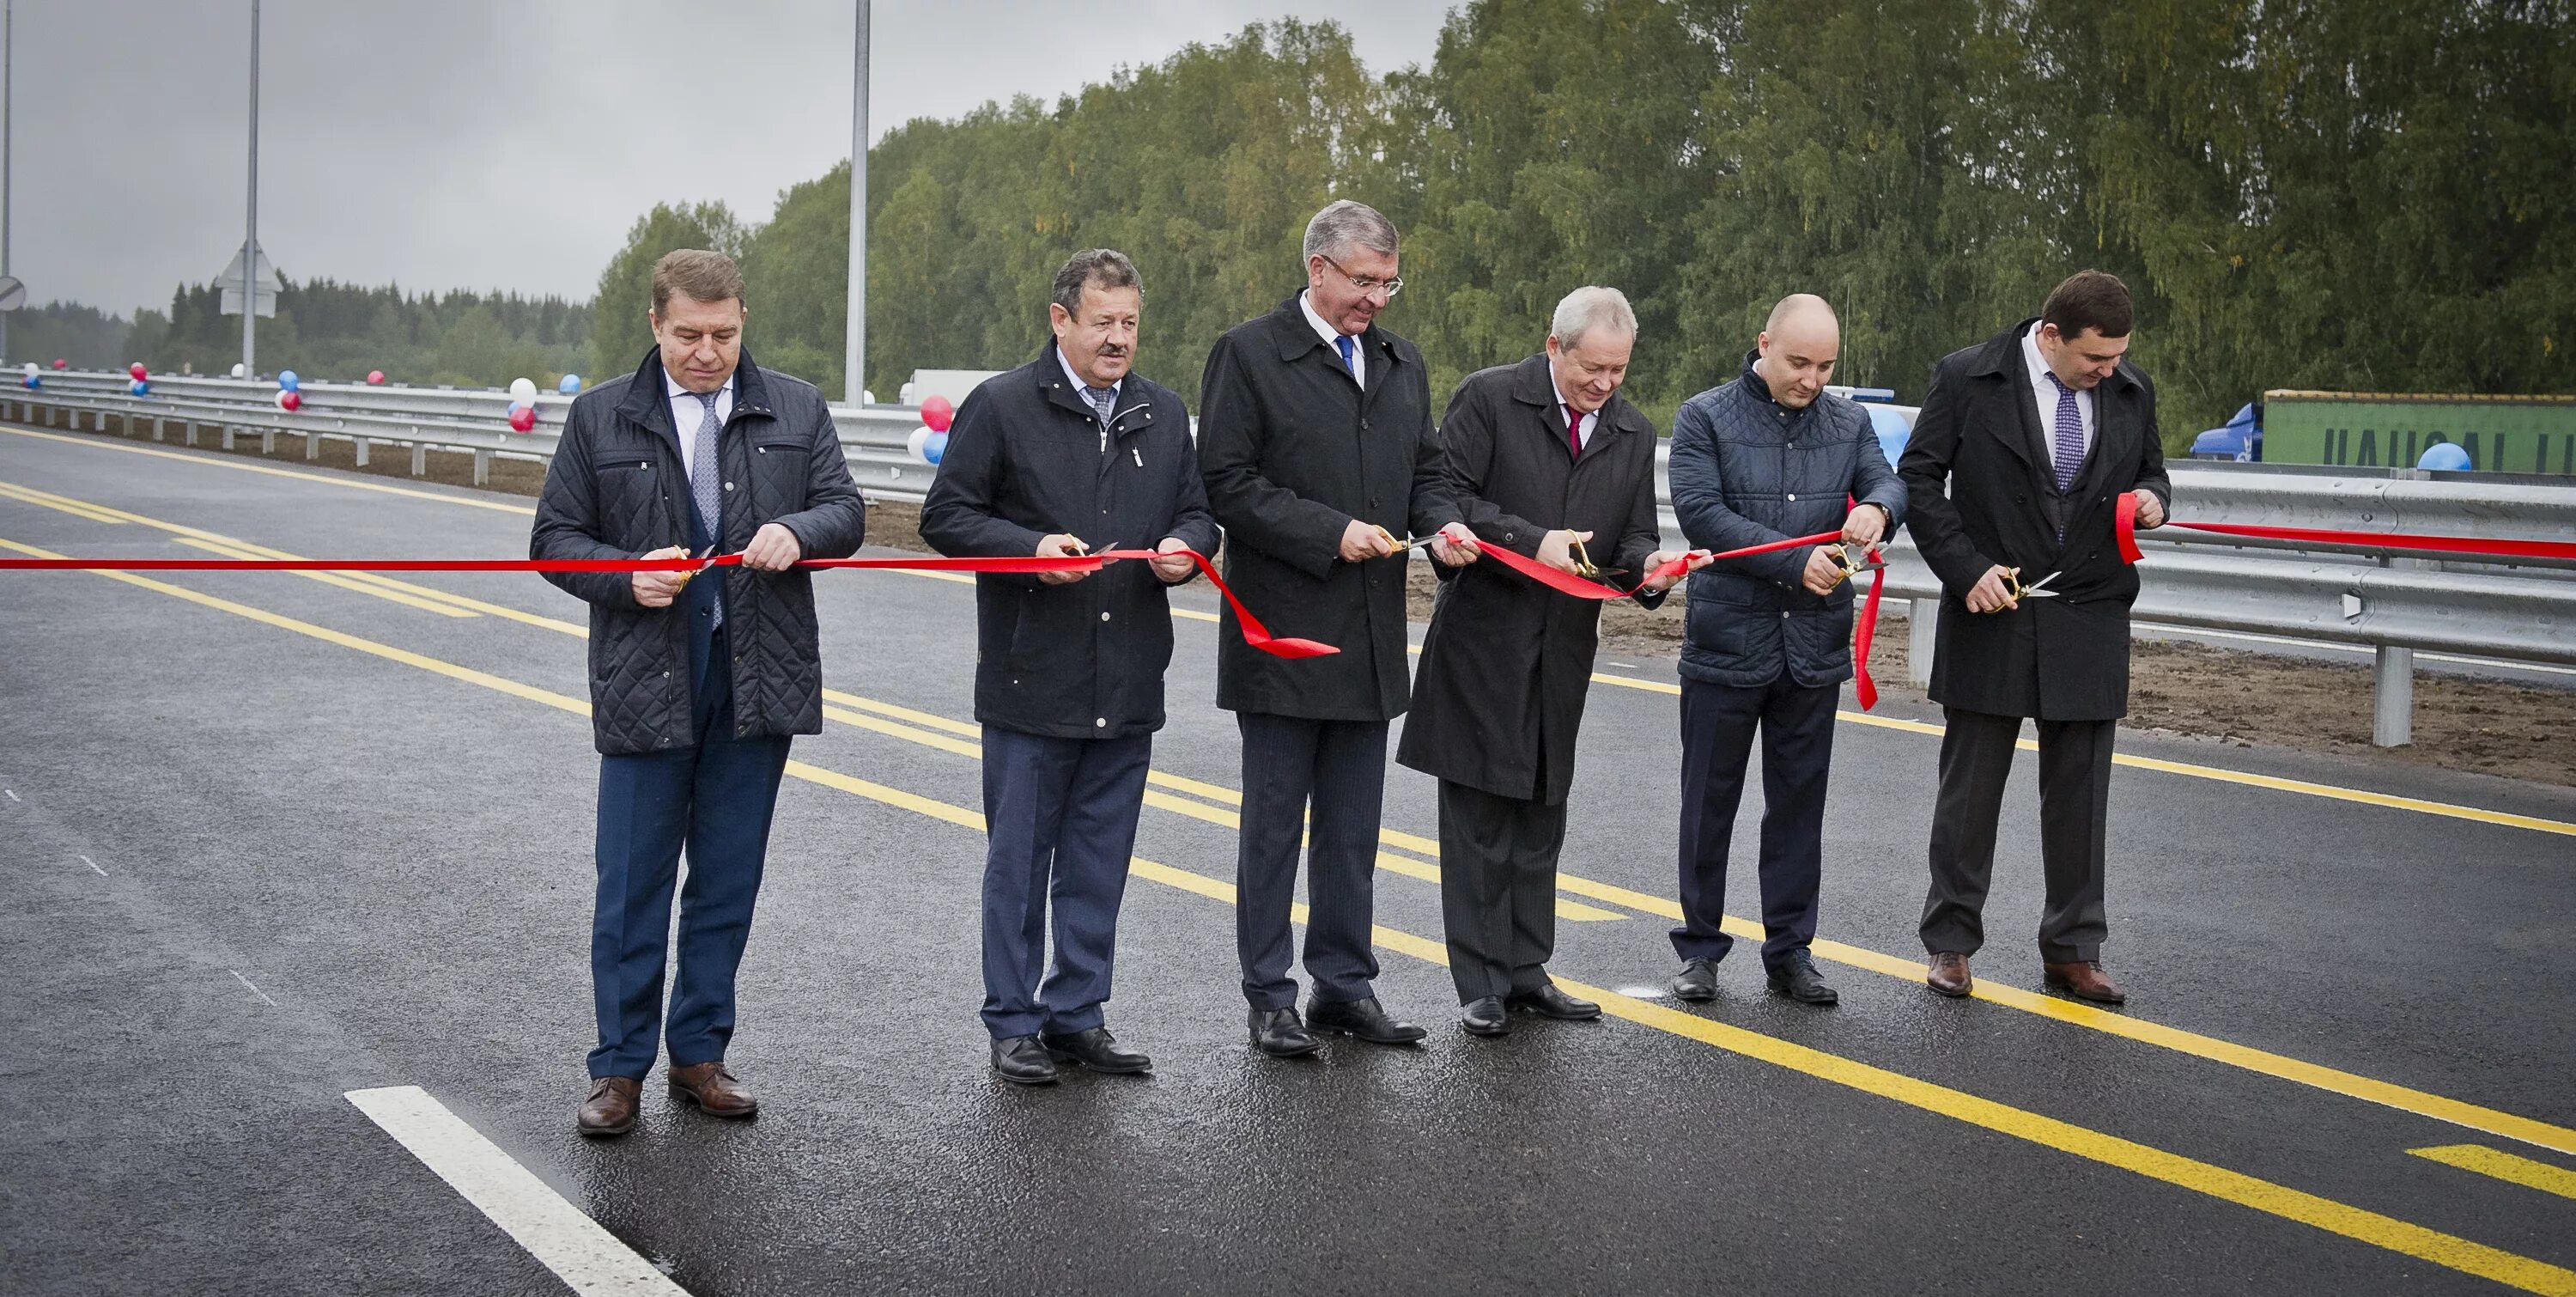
(1315, 440)
(1069, 452)
(2034, 433)
(1537, 457)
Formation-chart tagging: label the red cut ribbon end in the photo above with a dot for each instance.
(2126, 527)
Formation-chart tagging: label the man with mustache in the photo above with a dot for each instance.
(1766, 457)
(1539, 457)
(1070, 452)
(1315, 438)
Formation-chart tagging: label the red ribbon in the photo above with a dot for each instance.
(2126, 516)
(1254, 633)
(1568, 583)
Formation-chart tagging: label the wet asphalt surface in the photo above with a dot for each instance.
(244, 870)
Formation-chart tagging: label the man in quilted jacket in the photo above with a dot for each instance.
(696, 679)
(1763, 458)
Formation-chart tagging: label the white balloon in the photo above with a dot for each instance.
(237, 369)
(914, 442)
(31, 369)
(523, 391)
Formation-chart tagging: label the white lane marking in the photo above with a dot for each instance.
(574, 1246)
(263, 995)
(13, 793)
(1642, 992)
(94, 865)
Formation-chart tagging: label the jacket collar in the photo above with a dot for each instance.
(1133, 410)
(1534, 385)
(2001, 355)
(1296, 337)
(647, 399)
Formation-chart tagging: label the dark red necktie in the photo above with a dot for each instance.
(1574, 430)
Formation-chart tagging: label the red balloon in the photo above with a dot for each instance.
(523, 418)
(937, 413)
(375, 375)
(139, 372)
(290, 401)
(60, 363)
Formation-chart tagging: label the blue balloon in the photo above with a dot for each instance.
(571, 383)
(2442, 456)
(32, 384)
(138, 387)
(287, 380)
(934, 446)
(516, 406)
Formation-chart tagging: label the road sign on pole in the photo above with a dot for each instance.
(13, 294)
(264, 279)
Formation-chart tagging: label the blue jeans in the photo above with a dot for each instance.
(1060, 823)
(714, 797)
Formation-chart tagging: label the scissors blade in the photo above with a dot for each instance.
(2039, 589)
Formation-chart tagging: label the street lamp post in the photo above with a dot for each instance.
(854, 362)
(250, 219)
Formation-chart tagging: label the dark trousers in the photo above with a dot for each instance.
(2074, 832)
(1340, 768)
(1718, 724)
(1060, 825)
(1498, 889)
(715, 798)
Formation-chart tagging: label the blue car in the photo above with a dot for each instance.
(2240, 440)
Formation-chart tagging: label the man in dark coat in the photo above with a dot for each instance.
(695, 684)
(1315, 439)
(1766, 457)
(1537, 457)
(1069, 452)
(2035, 433)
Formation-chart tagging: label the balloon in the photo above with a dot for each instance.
(237, 369)
(522, 418)
(138, 387)
(571, 383)
(375, 376)
(937, 413)
(139, 372)
(32, 382)
(935, 448)
(31, 369)
(2443, 457)
(522, 391)
(286, 379)
(529, 404)
(60, 363)
(918, 444)
(289, 399)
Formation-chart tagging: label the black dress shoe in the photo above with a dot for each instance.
(1485, 1017)
(1798, 980)
(1366, 1019)
(1277, 1032)
(1549, 1002)
(1698, 981)
(1095, 1049)
(1023, 1061)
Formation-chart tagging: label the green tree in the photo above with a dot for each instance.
(621, 330)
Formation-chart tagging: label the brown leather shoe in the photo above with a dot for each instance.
(2085, 981)
(610, 1109)
(713, 1089)
(1948, 974)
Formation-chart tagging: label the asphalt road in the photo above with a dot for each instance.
(288, 839)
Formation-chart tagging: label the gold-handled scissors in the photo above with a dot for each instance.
(1400, 546)
(2035, 590)
(692, 574)
(1584, 566)
(1851, 567)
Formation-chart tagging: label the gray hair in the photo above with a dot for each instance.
(1591, 307)
(1100, 268)
(1344, 224)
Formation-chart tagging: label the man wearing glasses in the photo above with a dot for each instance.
(1315, 438)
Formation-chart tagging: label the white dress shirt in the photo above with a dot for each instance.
(1359, 355)
(2044, 391)
(1565, 415)
(687, 412)
(1082, 389)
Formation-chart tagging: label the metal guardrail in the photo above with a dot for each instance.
(2520, 611)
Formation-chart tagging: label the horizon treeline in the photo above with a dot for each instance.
(2302, 194)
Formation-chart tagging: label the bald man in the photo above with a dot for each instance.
(1769, 456)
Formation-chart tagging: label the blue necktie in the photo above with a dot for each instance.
(1101, 398)
(2068, 456)
(703, 472)
(1342, 341)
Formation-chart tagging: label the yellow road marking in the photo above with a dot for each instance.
(2504, 1166)
(1902, 968)
(2215, 1181)
(37, 497)
(2333, 1080)
(337, 579)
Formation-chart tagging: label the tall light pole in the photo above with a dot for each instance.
(854, 362)
(8, 125)
(250, 219)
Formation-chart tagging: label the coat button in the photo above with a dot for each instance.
(1784, 614)
(1104, 616)
(1793, 497)
(1100, 722)
(729, 486)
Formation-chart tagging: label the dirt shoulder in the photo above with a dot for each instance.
(2466, 723)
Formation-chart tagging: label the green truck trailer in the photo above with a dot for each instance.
(2501, 434)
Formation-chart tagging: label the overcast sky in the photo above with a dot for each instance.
(509, 143)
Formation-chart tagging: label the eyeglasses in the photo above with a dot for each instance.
(1366, 285)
